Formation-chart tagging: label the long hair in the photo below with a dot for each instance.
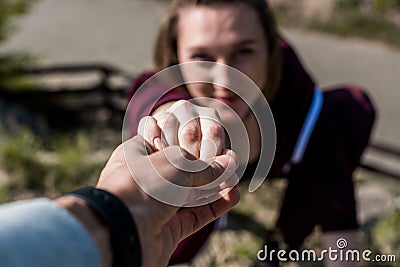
(165, 53)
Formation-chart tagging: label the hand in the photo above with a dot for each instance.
(161, 227)
(196, 129)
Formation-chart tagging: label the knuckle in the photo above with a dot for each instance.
(145, 123)
(161, 116)
(168, 121)
(145, 119)
(181, 103)
(190, 132)
(215, 130)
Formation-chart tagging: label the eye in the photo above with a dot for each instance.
(201, 56)
(244, 51)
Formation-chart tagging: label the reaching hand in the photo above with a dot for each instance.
(161, 226)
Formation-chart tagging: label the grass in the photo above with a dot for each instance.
(10, 66)
(351, 23)
(347, 20)
(18, 155)
(36, 168)
(383, 236)
(73, 159)
(253, 218)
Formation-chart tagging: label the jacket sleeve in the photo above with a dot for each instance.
(146, 95)
(40, 233)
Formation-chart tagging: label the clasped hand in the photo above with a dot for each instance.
(196, 129)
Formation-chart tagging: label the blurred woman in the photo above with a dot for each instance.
(320, 134)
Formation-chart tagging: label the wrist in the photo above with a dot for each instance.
(96, 228)
(123, 235)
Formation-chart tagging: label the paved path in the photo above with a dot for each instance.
(122, 32)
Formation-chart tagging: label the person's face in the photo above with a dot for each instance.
(227, 34)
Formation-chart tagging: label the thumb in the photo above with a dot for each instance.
(220, 169)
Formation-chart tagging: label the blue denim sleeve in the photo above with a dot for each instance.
(40, 233)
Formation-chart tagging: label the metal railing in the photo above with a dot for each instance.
(102, 93)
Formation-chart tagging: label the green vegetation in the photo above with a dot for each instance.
(33, 168)
(373, 20)
(353, 23)
(386, 234)
(9, 68)
(9, 9)
(19, 156)
(384, 6)
(11, 63)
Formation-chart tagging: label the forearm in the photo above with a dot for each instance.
(39, 233)
(89, 219)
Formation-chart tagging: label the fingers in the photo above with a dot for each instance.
(227, 157)
(219, 170)
(201, 132)
(180, 167)
(193, 219)
(213, 134)
(136, 145)
(169, 125)
(210, 182)
(199, 182)
(151, 132)
(196, 129)
(189, 135)
(199, 196)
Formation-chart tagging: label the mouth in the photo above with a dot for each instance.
(228, 100)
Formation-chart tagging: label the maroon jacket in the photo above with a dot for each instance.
(325, 172)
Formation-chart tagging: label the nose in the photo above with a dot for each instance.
(220, 75)
(228, 79)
